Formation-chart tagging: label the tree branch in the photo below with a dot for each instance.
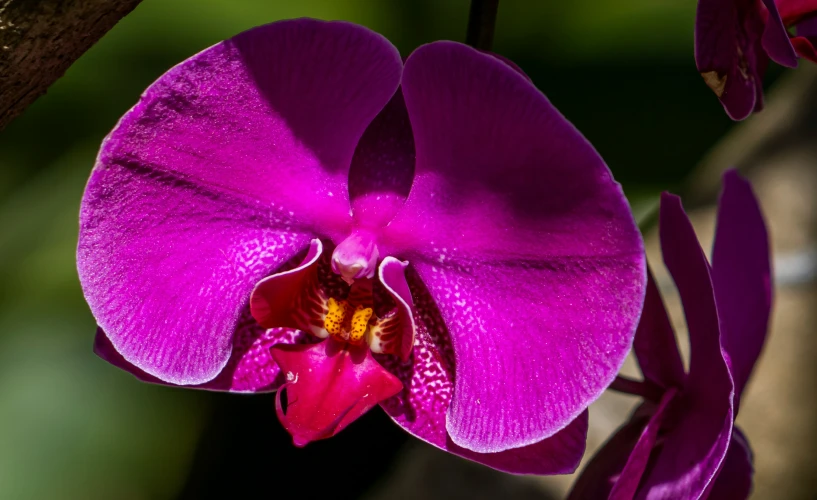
(40, 39)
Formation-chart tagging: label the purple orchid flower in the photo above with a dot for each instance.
(734, 40)
(245, 224)
(682, 441)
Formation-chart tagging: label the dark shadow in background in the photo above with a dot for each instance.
(245, 453)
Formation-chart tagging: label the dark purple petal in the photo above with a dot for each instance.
(775, 38)
(601, 473)
(655, 346)
(223, 171)
(525, 242)
(741, 274)
(105, 350)
(708, 376)
(727, 38)
(383, 166)
(694, 449)
(734, 482)
(561, 453)
(510, 63)
(250, 368)
(626, 486)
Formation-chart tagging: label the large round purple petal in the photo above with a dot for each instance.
(224, 170)
(741, 274)
(525, 242)
(428, 383)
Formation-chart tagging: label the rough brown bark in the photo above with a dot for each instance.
(40, 39)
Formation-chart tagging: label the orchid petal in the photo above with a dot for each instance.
(775, 38)
(626, 486)
(726, 53)
(272, 298)
(805, 47)
(793, 11)
(105, 350)
(222, 172)
(601, 473)
(328, 386)
(510, 63)
(655, 346)
(383, 166)
(708, 375)
(526, 244)
(428, 382)
(734, 482)
(250, 369)
(741, 274)
(167, 269)
(693, 451)
(392, 276)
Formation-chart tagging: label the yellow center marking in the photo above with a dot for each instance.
(342, 325)
(335, 316)
(360, 321)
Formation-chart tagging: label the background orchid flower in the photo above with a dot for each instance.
(295, 208)
(734, 40)
(802, 16)
(682, 442)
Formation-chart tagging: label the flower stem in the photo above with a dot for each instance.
(646, 389)
(481, 23)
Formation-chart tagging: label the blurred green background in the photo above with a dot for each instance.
(73, 427)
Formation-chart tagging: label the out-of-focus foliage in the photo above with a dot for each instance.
(73, 427)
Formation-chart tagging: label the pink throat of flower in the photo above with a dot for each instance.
(331, 383)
